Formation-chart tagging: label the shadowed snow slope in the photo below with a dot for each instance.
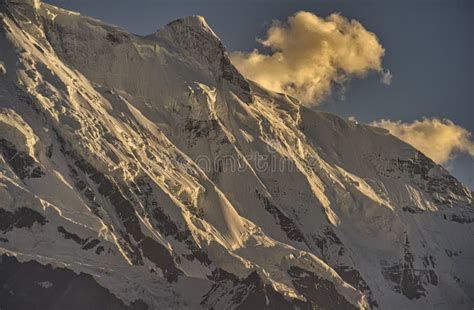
(163, 178)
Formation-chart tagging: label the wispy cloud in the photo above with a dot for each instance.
(310, 53)
(386, 77)
(439, 139)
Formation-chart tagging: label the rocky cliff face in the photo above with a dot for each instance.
(148, 172)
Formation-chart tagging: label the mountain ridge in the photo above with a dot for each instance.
(120, 129)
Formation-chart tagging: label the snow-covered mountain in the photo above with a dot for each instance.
(145, 172)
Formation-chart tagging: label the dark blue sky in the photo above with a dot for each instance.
(429, 49)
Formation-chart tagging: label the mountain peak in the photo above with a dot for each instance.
(194, 37)
(196, 40)
(196, 22)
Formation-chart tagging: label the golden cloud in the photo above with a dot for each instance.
(310, 53)
(438, 139)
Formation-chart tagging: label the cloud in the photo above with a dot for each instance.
(310, 53)
(438, 139)
(386, 77)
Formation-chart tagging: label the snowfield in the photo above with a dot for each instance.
(116, 182)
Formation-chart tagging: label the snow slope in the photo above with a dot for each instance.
(151, 164)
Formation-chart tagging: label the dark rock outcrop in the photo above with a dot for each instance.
(30, 286)
(20, 218)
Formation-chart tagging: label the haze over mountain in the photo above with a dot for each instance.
(146, 172)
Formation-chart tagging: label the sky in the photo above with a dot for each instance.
(428, 50)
